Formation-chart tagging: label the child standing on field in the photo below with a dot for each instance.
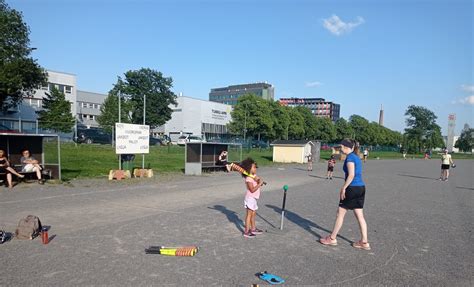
(331, 165)
(253, 184)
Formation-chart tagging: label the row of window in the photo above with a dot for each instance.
(88, 117)
(85, 105)
(62, 88)
(233, 96)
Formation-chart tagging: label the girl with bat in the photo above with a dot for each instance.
(253, 184)
(352, 196)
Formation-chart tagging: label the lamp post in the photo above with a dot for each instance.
(144, 118)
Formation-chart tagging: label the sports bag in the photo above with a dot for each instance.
(28, 228)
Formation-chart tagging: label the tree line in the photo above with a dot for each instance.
(261, 119)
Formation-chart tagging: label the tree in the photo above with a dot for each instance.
(310, 122)
(325, 130)
(465, 142)
(422, 130)
(134, 87)
(56, 113)
(281, 121)
(296, 127)
(252, 117)
(19, 73)
(343, 129)
(360, 127)
(109, 111)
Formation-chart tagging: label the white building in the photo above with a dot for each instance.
(196, 117)
(88, 107)
(23, 118)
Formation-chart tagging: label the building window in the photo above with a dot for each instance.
(68, 89)
(45, 87)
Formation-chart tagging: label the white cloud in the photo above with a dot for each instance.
(465, 101)
(313, 84)
(335, 25)
(467, 88)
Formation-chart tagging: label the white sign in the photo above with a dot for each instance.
(131, 139)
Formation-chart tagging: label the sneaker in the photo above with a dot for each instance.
(440, 178)
(328, 241)
(445, 179)
(256, 231)
(249, 235)
(361, 245)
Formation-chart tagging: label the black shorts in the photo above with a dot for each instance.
(355, 197)
(331, 168)
(445, 166)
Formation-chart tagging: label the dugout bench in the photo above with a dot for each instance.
(43, 147)
(201, 157)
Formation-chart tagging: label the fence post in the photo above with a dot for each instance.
(36, 126)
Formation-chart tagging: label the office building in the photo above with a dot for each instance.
(318, 106)
(230, 95)
(196, 117)
(23, 117)
(88, 107)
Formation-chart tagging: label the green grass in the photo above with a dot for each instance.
(83, 161)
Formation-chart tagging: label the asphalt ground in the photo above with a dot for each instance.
(420, 229)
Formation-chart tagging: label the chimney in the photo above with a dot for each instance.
(381, 116)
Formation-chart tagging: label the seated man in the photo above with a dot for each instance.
(30, 164)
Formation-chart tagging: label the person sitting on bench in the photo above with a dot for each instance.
(7, 169)
(30, 164)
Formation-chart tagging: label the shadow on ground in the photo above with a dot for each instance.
(416, 176)
(305, 223)
(232, 216)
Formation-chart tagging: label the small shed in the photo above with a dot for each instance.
(295, 151)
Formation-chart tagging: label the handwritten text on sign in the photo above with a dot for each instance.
(132, 139)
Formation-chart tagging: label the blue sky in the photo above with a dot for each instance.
(360, 54)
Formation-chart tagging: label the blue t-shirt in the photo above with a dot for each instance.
(357, 181)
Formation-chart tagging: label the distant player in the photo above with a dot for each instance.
(310, 161)
(446, 162)
(366, 154)
(331, 165)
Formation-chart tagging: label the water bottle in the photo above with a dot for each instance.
(44, 235)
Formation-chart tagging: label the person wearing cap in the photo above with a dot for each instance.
(352, 196)
(446, 162)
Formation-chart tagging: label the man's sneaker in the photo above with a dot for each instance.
(249, 235)
(256, 231)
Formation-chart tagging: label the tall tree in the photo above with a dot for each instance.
(296, 128)
(325, 130)
(465, 142)
(151, 84)
(281, 121)
(310, 122)
(19, 73)
(252, 116)
(56, 113)
(422, 129)
(343, 129)
(360, 127)
(109, 111)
